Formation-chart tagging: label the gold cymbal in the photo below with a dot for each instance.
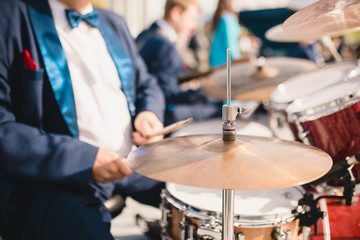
(191, 75)
(249, 162)
(254, 80)
(325, 18)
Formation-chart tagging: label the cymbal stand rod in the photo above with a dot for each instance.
(229, 112)
(228, 78)
(327, 41)
(228, 197)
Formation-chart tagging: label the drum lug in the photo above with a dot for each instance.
(210, 228)
(240, 236)
(303, 136)
(215, 234)
(182, 224)
(164, 216)
(280, 234)
(302, 133)
(190, 230)
(164, 212)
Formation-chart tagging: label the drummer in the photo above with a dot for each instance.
(160, 47)
(69, 118)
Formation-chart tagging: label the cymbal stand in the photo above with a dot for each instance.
(229, 113)
(355, 72)
(326, 40)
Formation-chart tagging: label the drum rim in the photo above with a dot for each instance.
(240, 220)
(325, 109)
(281, 105)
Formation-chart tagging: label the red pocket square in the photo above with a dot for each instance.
(29, 63)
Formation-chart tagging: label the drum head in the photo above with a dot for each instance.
(250, 205)
(214, 126)
(325, 102)
(310, 82)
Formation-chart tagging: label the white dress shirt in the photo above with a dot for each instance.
(101, 108)
(167, 30)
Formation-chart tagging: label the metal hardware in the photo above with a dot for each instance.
(208, 229)
(190, 232)
(164, 216)
(240, 236)
(182, 224)
(228, 197)
(281, 234)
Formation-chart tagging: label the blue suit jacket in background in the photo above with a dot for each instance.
(164, 61)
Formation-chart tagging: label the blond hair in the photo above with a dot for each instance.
(183, 4)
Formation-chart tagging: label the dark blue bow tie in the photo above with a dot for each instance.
(75, 18)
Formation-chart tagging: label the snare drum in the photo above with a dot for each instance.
(195, 213)
(330, 120)
(300, 86)
(214, 126)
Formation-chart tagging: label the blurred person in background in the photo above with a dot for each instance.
(226, 31)
(259, 21)
(159, 46)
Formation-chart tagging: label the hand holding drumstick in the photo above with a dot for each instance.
(149, 128)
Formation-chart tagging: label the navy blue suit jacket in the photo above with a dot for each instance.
(39, 143)
(164, 61)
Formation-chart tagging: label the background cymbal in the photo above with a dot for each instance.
(277, 34)
(325, 18)
(252, 83)
(250, 162)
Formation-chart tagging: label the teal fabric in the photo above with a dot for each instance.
(55, 64)
(123, 63)
(226, 36)
(58, 72)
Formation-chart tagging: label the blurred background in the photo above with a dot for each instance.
(255, 17)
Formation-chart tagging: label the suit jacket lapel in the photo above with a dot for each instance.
(122, 62)
(55, 61)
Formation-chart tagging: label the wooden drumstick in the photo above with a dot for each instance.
(172, 127)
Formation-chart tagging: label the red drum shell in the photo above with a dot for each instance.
(337, 134)
(330, 120)
(299, 86)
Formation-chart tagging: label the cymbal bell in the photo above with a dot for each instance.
(255, 80)
(249, 162)
(325, 18)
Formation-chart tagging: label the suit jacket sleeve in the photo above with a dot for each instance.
(27, 152)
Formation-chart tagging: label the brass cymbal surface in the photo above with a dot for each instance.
(249, 162)
(251, 82)
(325, 18)
(277, 34)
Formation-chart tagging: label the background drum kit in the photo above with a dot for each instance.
(247, 184)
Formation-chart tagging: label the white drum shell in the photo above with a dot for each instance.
(253, 208)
